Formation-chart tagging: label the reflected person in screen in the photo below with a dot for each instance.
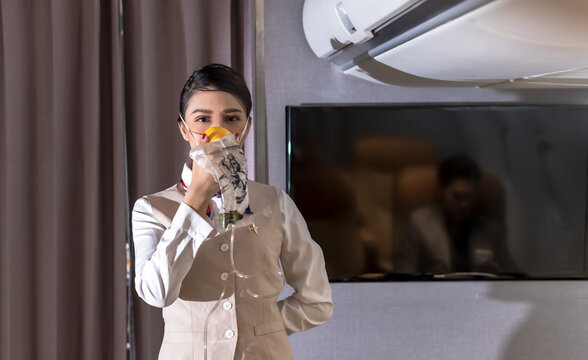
(453, 234)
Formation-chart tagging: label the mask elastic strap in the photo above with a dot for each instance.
(244, 129)
(189, 130)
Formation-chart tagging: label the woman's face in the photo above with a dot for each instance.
(458, 199)
(213, 108)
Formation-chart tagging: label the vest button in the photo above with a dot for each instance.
(224, 276)
(224, 247)
(229, 334)
(227, 305)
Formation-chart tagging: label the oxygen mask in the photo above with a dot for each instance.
(224, 158)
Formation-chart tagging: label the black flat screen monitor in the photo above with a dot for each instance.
(409, 192)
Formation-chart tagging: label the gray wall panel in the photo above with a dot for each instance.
(452, 320)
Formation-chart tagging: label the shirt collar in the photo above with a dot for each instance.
(187, 173)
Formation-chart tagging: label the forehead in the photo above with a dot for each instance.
(213, 100)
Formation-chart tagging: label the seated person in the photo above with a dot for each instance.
(451, 235)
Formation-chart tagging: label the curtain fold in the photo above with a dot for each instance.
(62, 244)
(165, 41)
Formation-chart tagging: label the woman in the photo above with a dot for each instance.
(219, 296)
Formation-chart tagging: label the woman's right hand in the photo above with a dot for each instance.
(201, 189)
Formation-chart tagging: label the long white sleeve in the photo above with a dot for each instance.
(304, 268)
(163, 256)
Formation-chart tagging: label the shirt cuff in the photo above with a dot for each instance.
(189, 221)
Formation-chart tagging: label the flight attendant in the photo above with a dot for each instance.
(219, 295)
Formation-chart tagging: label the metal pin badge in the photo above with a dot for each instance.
(254, 228)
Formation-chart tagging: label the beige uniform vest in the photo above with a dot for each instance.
(241, 326)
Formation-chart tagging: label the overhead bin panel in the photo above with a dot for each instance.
(468, 42)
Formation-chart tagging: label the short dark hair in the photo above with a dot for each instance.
(458, 167)
(216, 77)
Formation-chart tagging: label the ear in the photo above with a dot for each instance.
(185, 133)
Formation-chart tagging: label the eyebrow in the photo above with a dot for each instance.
(228, 111)
(208, 111)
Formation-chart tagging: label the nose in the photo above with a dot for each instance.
(216, 120)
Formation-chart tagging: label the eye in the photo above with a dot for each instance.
(201, 119)
(233, 118)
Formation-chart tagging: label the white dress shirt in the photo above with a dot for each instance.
(167, 240)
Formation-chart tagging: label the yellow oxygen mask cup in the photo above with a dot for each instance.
(216, 133)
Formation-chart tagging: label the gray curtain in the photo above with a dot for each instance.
(62, 181)
(165, 41)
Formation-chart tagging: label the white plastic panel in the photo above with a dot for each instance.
(505, 39)
(358, 72)
(329, 25)
(567, 79)
(366, 15)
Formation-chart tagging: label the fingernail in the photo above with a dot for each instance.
(203, 136)
(237, 135)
